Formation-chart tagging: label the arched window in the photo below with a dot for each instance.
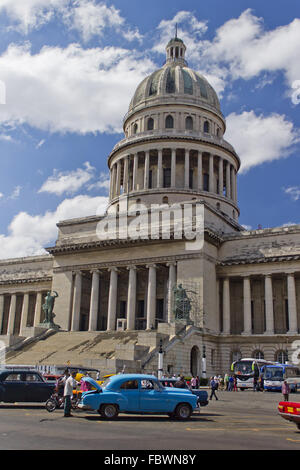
(169, 122)
(195, 361)
(135, 128)
(258, 354)
(189, 123)
(281, 356)
(165, 200)
(206, 127)
(150, 124)
(218, 132)
(236, 356)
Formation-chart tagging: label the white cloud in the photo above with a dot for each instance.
(28, 234)
(294, 192)
(16, 192)
(91, 19)
(87, 17)
(258, 138)
(70, 90)
(30, 14)
(68, 182)
(102, 183)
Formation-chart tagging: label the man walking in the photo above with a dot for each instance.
(70, 383)
(214, 387)
(285, 390)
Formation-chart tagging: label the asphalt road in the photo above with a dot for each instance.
(237, 421)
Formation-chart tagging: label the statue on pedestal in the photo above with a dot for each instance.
(48, 309)
(182, 303)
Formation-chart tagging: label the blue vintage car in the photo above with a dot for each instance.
(137, 393)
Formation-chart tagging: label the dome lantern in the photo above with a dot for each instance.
(176, 51)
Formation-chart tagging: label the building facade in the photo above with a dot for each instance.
(121, 271)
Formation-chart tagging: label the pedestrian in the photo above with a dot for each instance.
(68, 392)
(197, 381)
(285, 389)
(230, 383)
(181, 383)
(193, 382)
(235, 389)
(254, 384)
(213, 387)
(226, 382)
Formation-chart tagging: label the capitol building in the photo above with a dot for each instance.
(127, 289)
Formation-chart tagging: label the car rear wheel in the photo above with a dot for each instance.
(109, 411)
(183, 411)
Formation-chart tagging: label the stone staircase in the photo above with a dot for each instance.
(109, 352)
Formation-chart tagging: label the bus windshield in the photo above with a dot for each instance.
(273, 373)
(243, 368)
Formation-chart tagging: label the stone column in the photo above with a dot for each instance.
(126, 175)
(159, 170)
(173, 168)
(200, 178)
(292, 304)
(221, 176)
(228, 185)
(146, 170)
(38, 309)
(171, 284)
(151, 297)
(12, 314)
(269, 305)
(118, 179)
(211, 174)
(76, 301)
(247, 306)
(233, 184)
(131, 299)
(135, 169)
(113, 182)
(93, 317)
(1, 312)
(226, 306)
(187, 169)
(24, 314)
(112, 300)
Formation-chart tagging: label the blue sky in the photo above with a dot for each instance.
(69, 69)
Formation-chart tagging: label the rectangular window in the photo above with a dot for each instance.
(167, 177)
(206, 182)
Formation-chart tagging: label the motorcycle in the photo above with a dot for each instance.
(56, 401)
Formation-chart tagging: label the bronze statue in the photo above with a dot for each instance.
(48, 307)
(182, 303)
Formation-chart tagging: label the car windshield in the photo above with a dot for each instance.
(273, 373)
(243, 368)
(105, 383)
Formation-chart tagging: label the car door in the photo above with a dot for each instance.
(37, 390)
(154, 398)
(129, 391)
(14, 387)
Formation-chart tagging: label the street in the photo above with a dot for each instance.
(238, 420)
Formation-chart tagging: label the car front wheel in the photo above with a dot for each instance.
(183, 411)
(109, 411)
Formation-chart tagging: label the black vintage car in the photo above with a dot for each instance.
(18, 385)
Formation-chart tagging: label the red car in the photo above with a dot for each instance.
(290, 411)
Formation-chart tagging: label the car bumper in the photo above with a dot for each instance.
(81, 406)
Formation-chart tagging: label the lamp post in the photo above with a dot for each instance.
(203, 362)
(160, 361)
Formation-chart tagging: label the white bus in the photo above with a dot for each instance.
(245, 370)
(275, 374)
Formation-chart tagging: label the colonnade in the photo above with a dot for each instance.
(131, 303)
(15, 311)
(214, 173)
(269, 314)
